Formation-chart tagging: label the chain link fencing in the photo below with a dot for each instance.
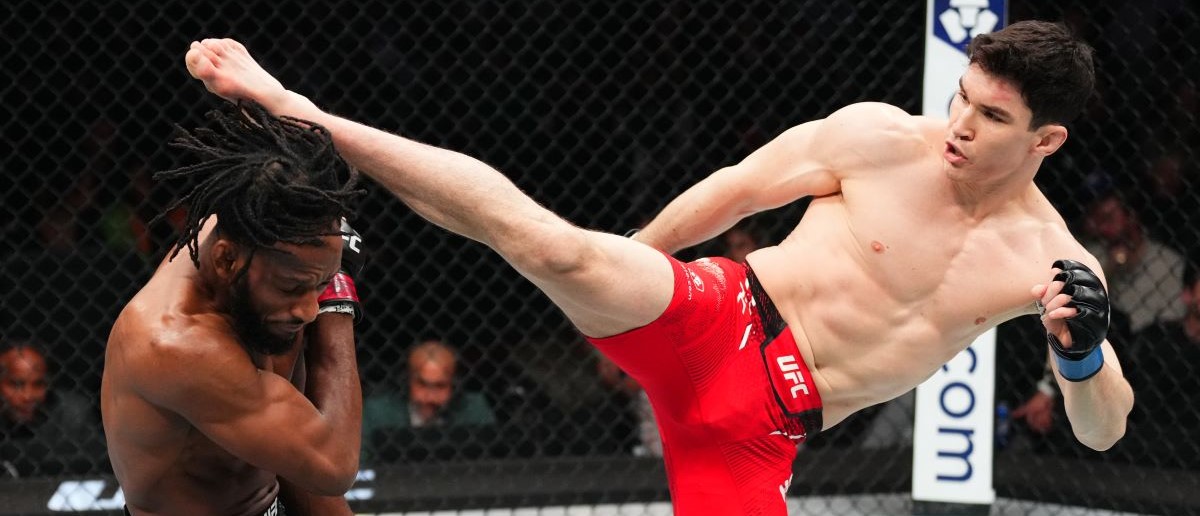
(603, 112)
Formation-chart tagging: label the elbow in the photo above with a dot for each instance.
(334, 478)
(1109, 424)
(330, 475)
(1104, 437)
(1102, 441)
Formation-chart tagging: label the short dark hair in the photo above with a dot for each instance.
(267, 179)
(1051, 67)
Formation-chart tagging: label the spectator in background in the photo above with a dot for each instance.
(1172, 212)
(75, 203)
(739, 241)
(431, 400)
(127, 212)
(43, 431)
(1164, 370)
(60, 229)
(1144, 275)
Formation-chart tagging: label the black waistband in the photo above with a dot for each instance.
(805, 423)
(772, 323)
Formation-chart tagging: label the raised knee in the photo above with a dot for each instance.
(557, 250)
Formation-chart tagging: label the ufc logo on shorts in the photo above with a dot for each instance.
(791, 371)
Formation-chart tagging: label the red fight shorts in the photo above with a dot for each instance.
(731, 393)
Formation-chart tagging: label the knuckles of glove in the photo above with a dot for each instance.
(1089, 327)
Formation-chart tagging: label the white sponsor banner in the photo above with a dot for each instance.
(954, 426)
(953, 432)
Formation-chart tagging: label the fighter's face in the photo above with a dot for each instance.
(277, 295)
(989, 128)
(22, 384)
(1109, 221)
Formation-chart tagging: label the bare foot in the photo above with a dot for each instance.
(226, 68)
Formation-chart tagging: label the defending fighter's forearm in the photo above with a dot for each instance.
(1098, 407)
(332, 384)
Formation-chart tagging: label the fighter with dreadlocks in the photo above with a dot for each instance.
(230, 384)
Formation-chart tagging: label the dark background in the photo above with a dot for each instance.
(601, 111)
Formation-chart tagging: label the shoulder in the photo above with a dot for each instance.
(1059, 244)
(874, 118)
(878, 112)
(472, 400)
(858, 122)
(871, 118)
(186, 337)
(874, 131)
(186, 353)
(473, 408)
(385, 410)
(1044, 233)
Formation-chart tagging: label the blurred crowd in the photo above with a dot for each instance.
(446, 383)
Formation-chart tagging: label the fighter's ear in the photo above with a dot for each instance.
(1050, 138)
(227, 258)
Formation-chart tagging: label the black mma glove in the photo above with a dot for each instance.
(341, 296)
(1088, 328)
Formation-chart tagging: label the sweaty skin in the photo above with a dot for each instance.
(924, 234)
(198, 424)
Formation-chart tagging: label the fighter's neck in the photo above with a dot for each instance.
(985, 199)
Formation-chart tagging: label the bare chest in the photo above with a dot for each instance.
(209, 464)
(956, 278)
(918, 273)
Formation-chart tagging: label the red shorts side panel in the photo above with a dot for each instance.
(728, 443)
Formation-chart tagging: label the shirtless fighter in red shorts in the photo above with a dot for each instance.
(924, 234)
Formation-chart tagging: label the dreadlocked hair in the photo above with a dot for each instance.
(267, 179)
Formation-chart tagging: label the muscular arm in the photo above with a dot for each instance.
(205, 376)
(1099, 406)
(811, 159)
(783, 170)
(299, 501)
